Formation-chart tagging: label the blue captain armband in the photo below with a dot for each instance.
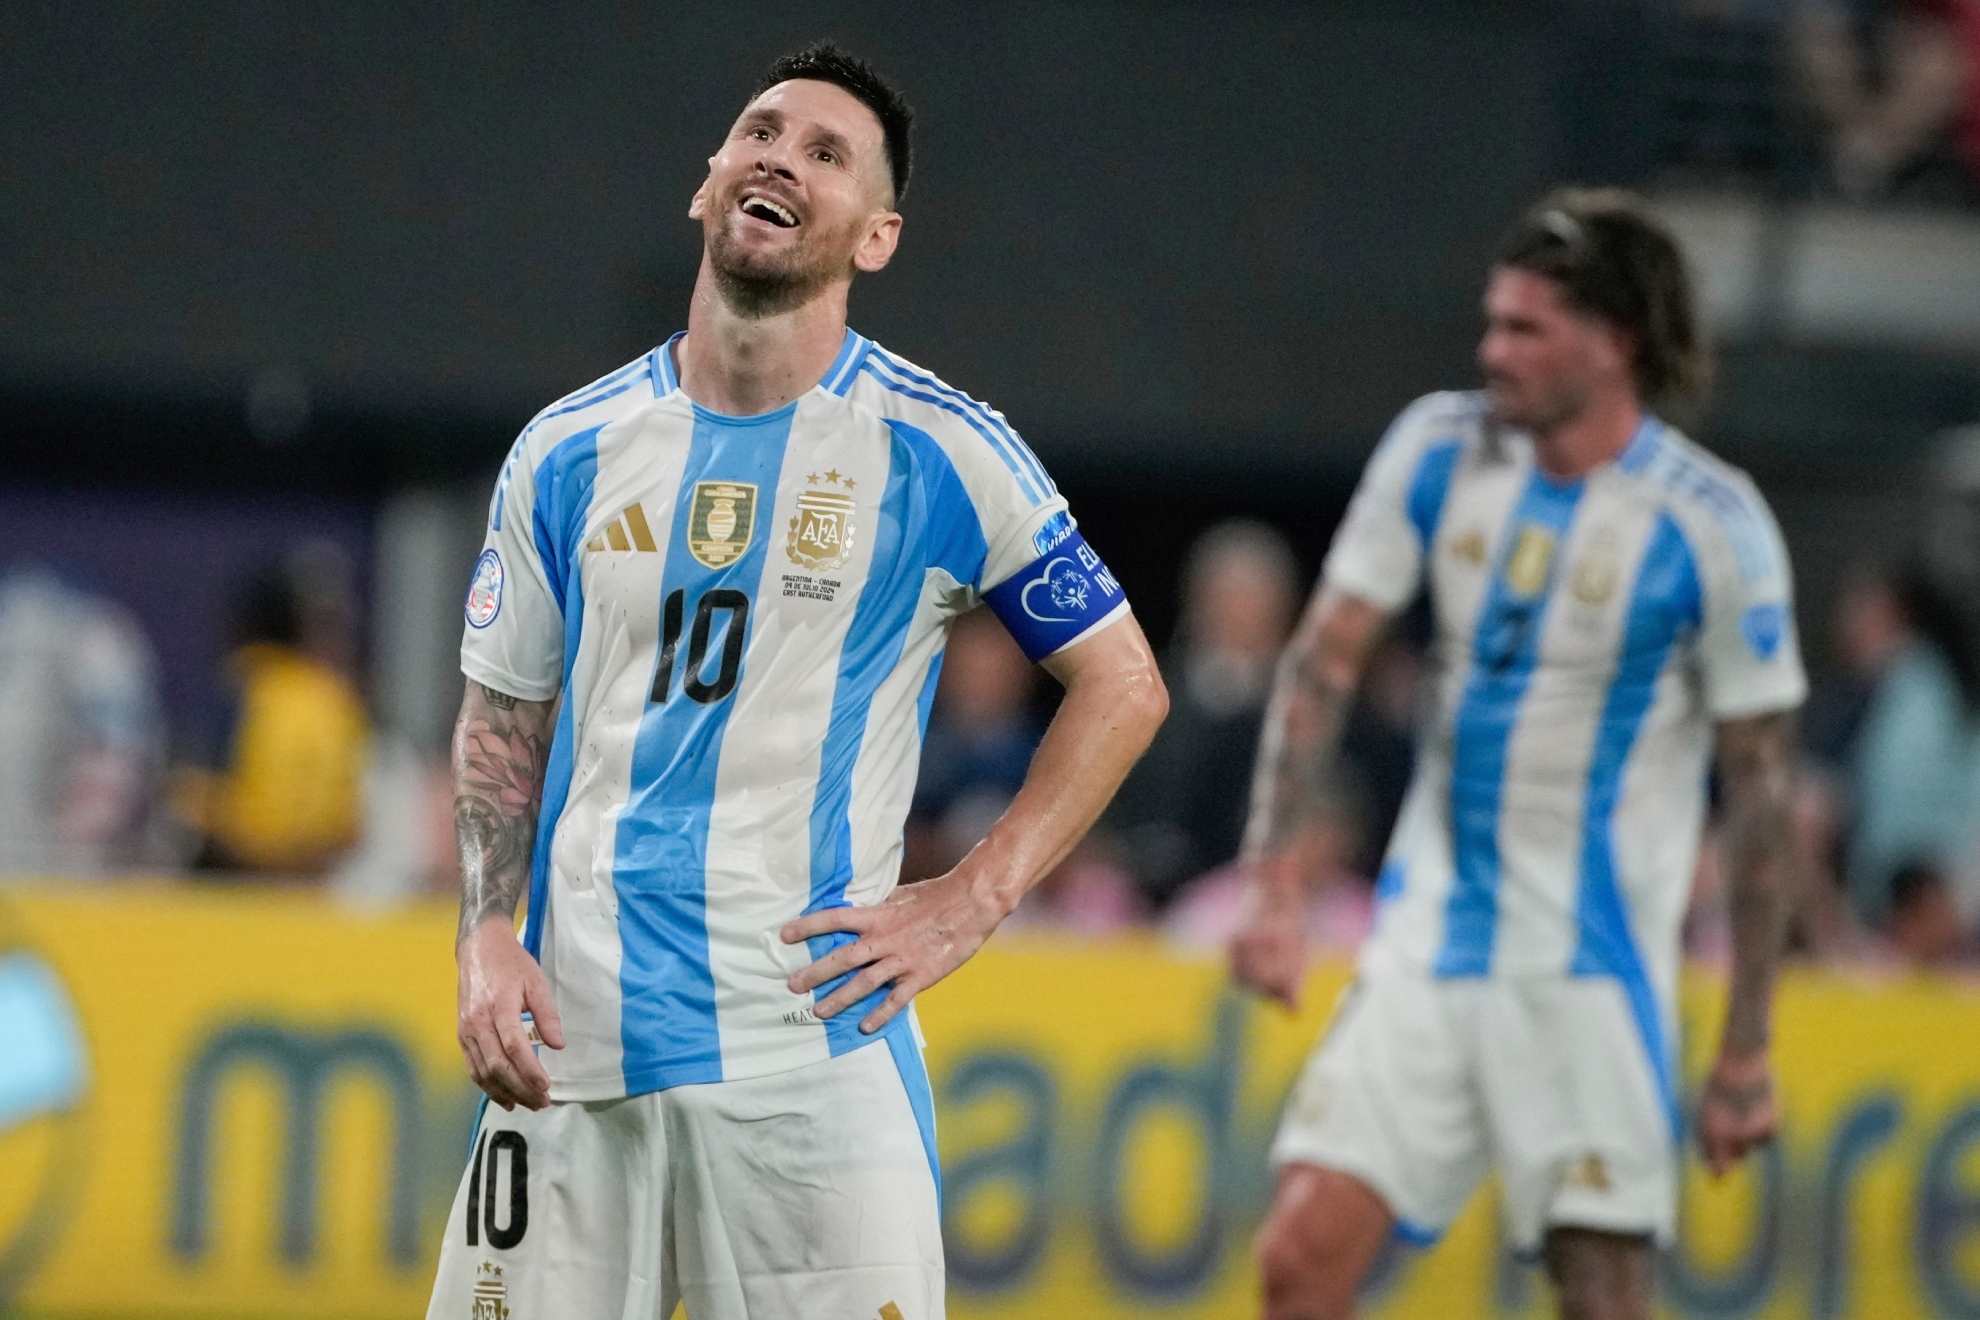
(1058, 597)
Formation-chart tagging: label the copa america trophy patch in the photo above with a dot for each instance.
(484, 598)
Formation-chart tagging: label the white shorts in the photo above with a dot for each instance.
(1422, 1085)
(804, 1194)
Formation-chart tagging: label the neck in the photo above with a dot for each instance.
(1571, 449)
(744, 365)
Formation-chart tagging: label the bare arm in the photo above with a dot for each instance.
(501, 744)
(1755, 758)
(1315, 686)
(1114, 702)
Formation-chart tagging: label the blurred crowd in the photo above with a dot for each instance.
(1889, 90)
(1895, 85)
(288, 783)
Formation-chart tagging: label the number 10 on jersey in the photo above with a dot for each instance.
(721, 600)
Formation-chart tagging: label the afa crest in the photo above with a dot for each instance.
(491, 1295)
(822, 530)
(1595, 576)
(721, 522)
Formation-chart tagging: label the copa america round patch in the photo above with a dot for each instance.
(484, 598)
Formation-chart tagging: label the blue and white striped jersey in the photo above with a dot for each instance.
(1588, 637)
(745, 618)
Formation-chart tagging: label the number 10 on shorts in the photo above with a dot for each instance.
(485, 1205)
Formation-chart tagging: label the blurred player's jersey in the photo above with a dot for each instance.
(1589, 635)
(745, 617)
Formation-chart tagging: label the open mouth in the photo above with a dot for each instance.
(771, 212)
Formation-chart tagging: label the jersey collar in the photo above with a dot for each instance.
(838, 377)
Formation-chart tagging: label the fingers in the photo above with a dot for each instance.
(500, 1058)
(484, 1076)
(859, 987)
(832, 966)
(518, 1068)
(1270, 970)
(536, 1001)
(858, 920)
(1725, 1137)
(903, 995)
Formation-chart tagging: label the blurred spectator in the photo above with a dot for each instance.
(1182, 811)
(80, 723)
(1089, 893)
(1893, 81)
(283, 791)
(1913, 768)
(1340, 905)
(1924, 926)
(981, 735)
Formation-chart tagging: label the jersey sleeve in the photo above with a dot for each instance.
(1037, 573)
(1002, 530)
(1749, 655)
(514, 637)
(1378, 552)
(1062, 593)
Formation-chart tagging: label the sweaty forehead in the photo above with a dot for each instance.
(808, 102)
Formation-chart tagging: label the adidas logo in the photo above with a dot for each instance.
(628, 531)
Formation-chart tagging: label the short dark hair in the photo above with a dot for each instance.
(823, 61)
(1616, 262)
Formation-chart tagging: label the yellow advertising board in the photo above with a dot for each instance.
(215, 1104)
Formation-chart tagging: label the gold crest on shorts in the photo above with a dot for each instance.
(1531, 558)
(491, 1295)
(721, 522)
(821, 531)
(1590, 1173)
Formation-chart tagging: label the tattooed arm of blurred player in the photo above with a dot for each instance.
(1314, 687)
(1756, 771)
(501, 744)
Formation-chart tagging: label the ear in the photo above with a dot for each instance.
(876, 249)
(1615, 347)
(698, 204)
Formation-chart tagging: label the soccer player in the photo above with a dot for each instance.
(700, 647)
(1612, 607)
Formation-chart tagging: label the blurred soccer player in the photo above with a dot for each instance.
(1612, 603)
(728, 571)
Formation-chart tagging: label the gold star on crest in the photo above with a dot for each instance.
(833, 476)
(812, 478)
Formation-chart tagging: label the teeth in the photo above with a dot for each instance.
(783, 213)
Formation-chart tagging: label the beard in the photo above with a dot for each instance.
(756, 285)
(1534, 410)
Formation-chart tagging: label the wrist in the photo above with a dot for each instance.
(1742, 1055)
(995, 888)
(1276, 877)
(992, 879)
(474, 927)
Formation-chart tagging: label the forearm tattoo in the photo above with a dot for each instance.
(1291, 784)
(498, 791)
(1758, 839)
